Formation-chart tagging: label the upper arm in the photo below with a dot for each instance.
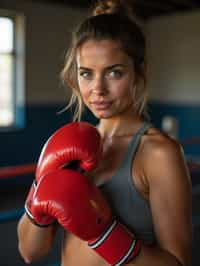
(170, 199)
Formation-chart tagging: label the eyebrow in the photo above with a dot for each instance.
(107, 68)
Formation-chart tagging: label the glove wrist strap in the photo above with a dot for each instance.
(117, 245)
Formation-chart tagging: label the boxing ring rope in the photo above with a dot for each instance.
(9, 172)
(13, 171)
(11, 215)
(27, 169)
(191, 141)
(193, 164)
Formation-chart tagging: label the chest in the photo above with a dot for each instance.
(114, 156)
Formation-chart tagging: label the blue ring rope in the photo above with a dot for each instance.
(11, 215)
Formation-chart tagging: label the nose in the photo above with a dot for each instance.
(99, 86)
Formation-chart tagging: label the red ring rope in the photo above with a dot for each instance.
(191, 141)
(13, 171)
(193, 166)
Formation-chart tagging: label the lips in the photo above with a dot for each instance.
(101, 105)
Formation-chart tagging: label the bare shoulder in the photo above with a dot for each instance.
(158, 143)
(162, 154)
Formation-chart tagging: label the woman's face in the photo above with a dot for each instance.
(106, 78)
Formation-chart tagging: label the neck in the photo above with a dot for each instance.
(115, 127)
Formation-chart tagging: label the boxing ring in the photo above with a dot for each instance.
(15, 182)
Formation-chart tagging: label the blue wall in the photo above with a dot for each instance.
(24, 145)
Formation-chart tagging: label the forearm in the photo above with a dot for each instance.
(155, 256)
(34, 242)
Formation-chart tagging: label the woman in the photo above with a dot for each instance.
(143, 173)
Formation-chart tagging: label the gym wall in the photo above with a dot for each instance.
(174, 64)
(173, 78)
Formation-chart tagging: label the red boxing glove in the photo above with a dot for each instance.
(79, 206)
(77, 141)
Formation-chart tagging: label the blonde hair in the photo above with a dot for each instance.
(100, 26)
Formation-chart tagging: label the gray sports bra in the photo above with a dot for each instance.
(126, 202)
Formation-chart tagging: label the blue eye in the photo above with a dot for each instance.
(85, 74)
(116, 73)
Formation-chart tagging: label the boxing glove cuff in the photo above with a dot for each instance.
(117, 245)
(28, 206)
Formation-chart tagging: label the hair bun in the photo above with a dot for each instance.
(123, 7)
(106, 7)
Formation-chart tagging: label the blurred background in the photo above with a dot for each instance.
(34, 38)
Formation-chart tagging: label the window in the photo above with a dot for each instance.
(11, 70)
